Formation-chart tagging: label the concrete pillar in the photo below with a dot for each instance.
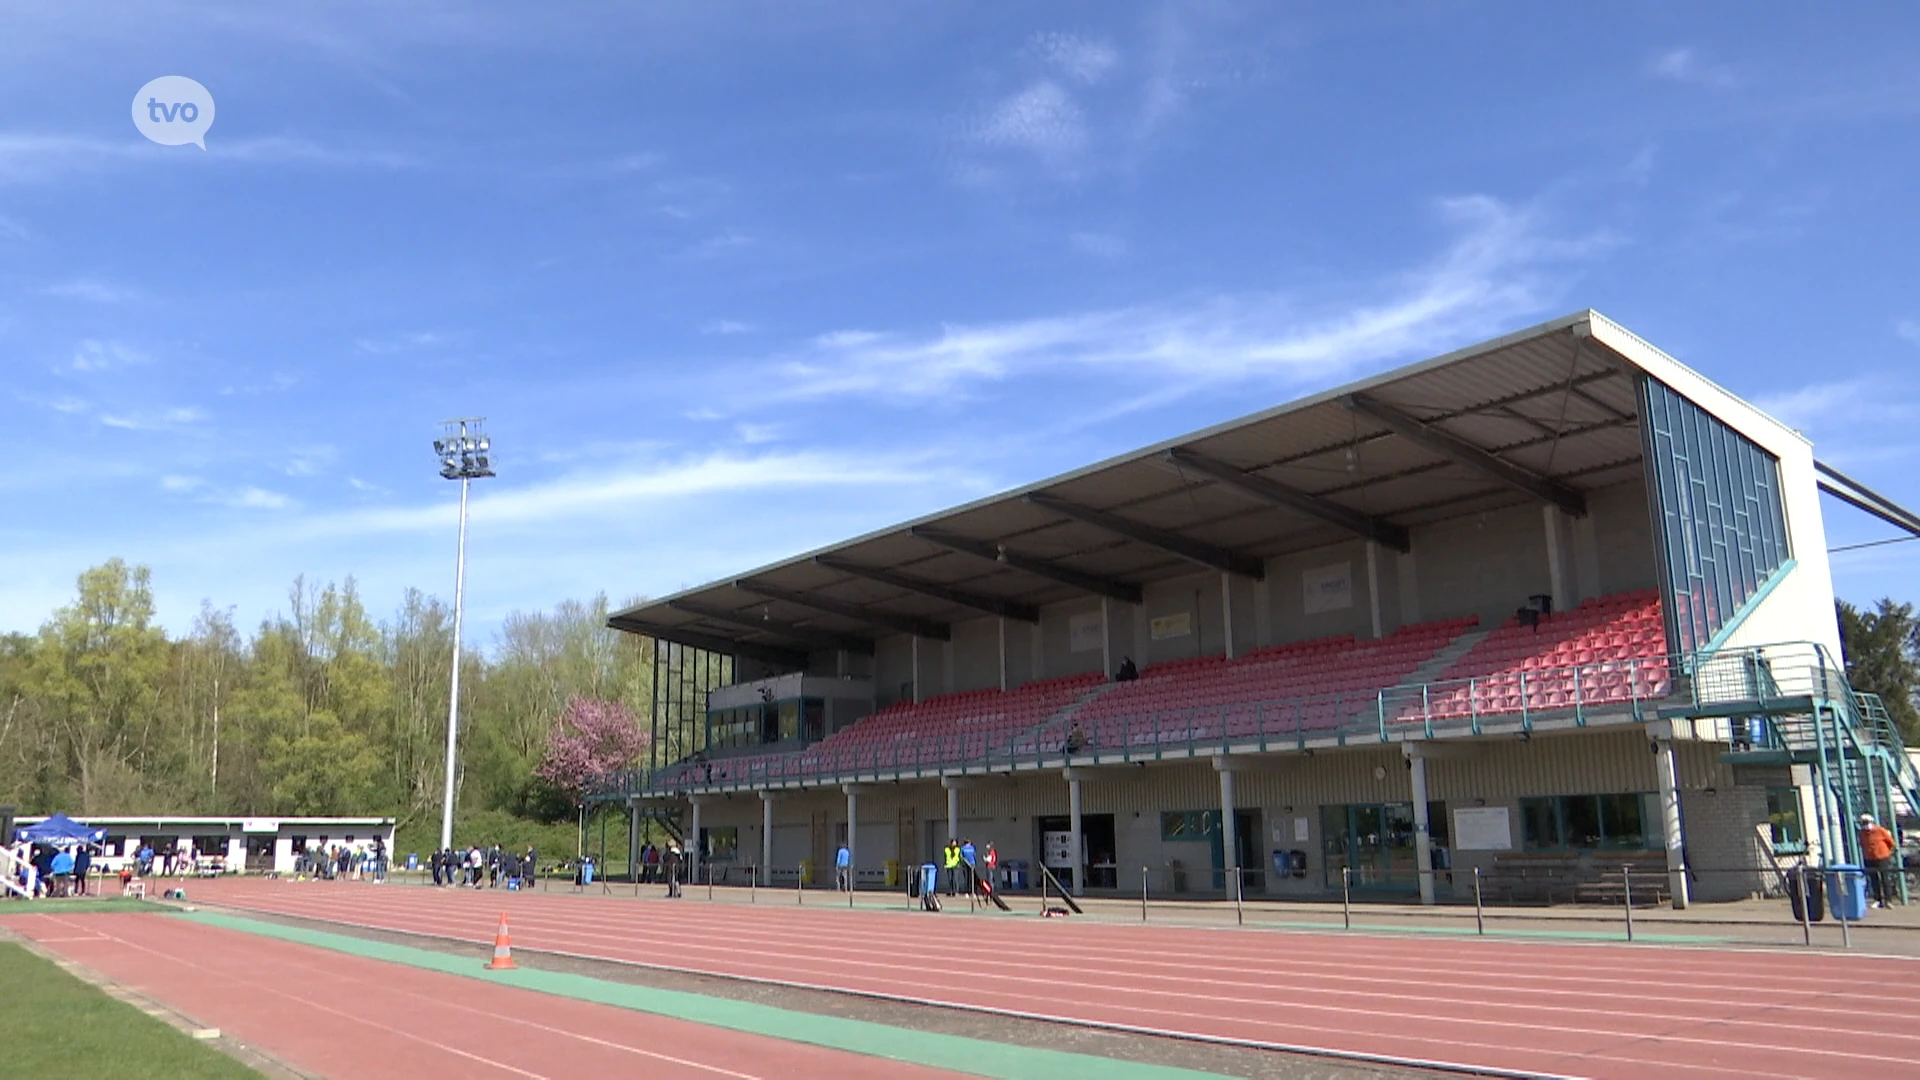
(918, 690)
(695, 850)
(1559, 557)
(1409, 580)
(633, 840)
(766, 835)
(1263, 612)
(853, 826)
(1106, 636)
(1422, 826)
(1228, 637)
(953, 813)
(1670, 831)
(1229, 842)
(946, 666)
(1373, 587)
(1079, 863)
(1003, 655)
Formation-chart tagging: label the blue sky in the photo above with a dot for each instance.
(734, 280)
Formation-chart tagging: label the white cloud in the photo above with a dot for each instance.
(1908, 330)
(93, 290)
(1102, 245)
(726, 327)
(309, 460)
(181, 483)
(1494, 273)
(253, 498)
(96, 355)
(172, 419)
(1076, 57)
(721, 243)
(1686, 65)
(1042, 119)
(754, 434)
(399, 343)
(596, 494)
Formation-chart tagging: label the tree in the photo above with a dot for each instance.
(1882, 649)
(592, 738)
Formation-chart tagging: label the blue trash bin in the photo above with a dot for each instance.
(413, 860)
(1018, 871)
(929, 879)
(1847, 892)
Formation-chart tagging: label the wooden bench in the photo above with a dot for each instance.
(1567, 878)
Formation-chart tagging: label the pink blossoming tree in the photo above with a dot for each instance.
(592, 738)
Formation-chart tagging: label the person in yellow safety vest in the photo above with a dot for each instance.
(951, 861)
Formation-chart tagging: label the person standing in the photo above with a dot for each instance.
(969, 865)
(992, 859)
(950, 862)
(670, 865)
(82, 863)
(1876, 849)
(843, 869)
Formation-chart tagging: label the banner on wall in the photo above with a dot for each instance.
(1083, 632)
(1482, 829)
(1171, 626)
(1327, 588)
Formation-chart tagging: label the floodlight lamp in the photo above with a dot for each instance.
(440, 446)
(482, 443)
(482, 459)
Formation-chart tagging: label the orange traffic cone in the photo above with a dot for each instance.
(502, 949)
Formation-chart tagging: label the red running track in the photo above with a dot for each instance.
(1601, 1011)
(332, 1014)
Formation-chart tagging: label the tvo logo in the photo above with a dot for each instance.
(174, 110)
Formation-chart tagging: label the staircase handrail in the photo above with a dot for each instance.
(12, 869)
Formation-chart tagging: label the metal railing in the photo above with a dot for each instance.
(1515, 700)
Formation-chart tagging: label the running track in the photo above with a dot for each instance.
(1601, 1011)
(332, 1014)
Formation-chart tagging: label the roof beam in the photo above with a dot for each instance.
(1125, 592)
(789, 659)
(812, 639)
(1863, 498)
(903, 624)
(992, 605)
(1213, 555)
(1264, 490)
(1449, 445)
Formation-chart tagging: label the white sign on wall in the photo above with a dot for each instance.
(1327, 588)
(1171, 626)
(1482, 829)
(1056, 850)
(1084, 631)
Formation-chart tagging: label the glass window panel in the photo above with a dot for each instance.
(1540, 825)
(1783, 821)
(1622, 823)
(1581, 816)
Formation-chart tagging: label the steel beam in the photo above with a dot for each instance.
(1449, 445)
(694, 639)
(812, 639)
(1122, 591)
(1863, 498)
(903, 624)
(1212, 555)
(992, 605)
(1264, 490)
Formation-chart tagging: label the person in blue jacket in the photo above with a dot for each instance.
(969, 864)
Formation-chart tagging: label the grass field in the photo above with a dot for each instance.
(75, 906)
(53, 1024)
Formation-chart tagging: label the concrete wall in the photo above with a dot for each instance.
(1288, 619)
(1485, 564)
(976, 654)
(1057, 658)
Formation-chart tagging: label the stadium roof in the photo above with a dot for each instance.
(1544, 415)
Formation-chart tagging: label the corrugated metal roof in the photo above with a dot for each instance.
(1551, 400)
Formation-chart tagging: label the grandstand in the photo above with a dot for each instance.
(1428, 623)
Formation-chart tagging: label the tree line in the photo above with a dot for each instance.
(324, 708)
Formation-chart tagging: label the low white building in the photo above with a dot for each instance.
(246, 844)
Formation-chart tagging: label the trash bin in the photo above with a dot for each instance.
(929, 879)
(1812, 907)
(893, 873)
(806, 871)
(413, 861)
(1847, 892)
(1179, 875)
(1018, 871)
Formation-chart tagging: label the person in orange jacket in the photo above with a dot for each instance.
(1876, 849)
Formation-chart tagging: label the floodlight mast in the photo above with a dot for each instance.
(465, 455)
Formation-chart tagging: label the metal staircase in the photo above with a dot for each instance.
(1793, 705)
(16, 875)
